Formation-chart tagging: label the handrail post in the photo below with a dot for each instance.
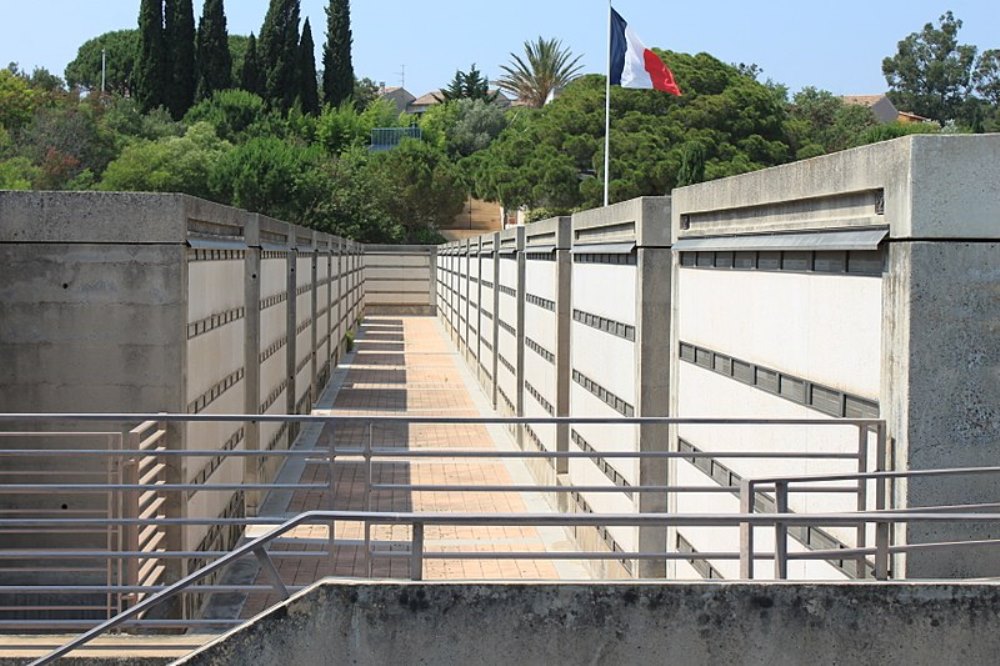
(862, 538)
(267, 564)
(331, 501)
(368, 501)
(130, 510)
(417, 553)
(746, 530)
(881, 495)
(116, 535)
(781, 531)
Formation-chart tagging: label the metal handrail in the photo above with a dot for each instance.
(426, 420)
(129, 521)
(419, 521)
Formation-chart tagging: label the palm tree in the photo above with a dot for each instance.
(546, 67)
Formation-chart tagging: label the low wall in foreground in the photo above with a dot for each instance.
(774, 624)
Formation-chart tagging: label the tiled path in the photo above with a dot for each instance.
(406, 366)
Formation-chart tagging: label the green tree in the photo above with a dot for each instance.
(123, 119)
(464, 126)
(338, 68)
(251, 75)
(85, 70)
(895, 130)
(469, 85)
(930, 73)
(366, 91)
(152, 68)
(278, 51)
(340, 128)
(44, 80)
(343, 128)
(237, 54)
(215, 61)
(280, 178)
(987, 76)
(16, 173)
(17, 101)
(820, 122)
(68, 142)
(174, 164)
(692, 169)
(545, 67)
(231, 112)
(418, 186)
(353, 207)
(553, 157)
(308, 84)
(179, 33)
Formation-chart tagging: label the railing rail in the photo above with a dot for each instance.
(418, 522)
(141, 492)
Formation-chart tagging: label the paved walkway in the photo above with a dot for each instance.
(407, 366)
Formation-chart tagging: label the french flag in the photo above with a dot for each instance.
(635, 66)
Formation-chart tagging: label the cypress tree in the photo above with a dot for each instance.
(308, 86)
(338, 70)
(278, 53)
(151, 68)
(250, 75)
(180, 37)
(215, 62)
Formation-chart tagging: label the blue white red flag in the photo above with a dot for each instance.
(635, 66)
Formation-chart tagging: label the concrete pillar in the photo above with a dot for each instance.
(251, 358)
(315, 388)
(519, 327)
(475, 256)
(495, 308)
(338, 276)
(653, 307)
(564, 315)
(434, 281)
(465, 277)
(291, 308)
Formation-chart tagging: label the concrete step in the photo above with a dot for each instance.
(120, 650)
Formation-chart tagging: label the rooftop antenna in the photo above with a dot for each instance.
(402, 77)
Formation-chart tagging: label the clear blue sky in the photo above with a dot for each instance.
(838, 46)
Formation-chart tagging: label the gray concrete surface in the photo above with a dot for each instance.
(345, 623)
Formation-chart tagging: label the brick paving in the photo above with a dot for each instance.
(406, 366)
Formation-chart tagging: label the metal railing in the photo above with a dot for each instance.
(881, 553)
(140, 520)
(143, 557)
(418, 522)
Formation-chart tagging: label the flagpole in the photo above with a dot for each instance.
(607, 117)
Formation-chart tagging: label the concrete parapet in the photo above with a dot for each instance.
(400, 279)
(692, 624)
(921, 186)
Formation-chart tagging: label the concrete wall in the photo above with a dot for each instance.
(147, 303)
(861, 284)
(542, 299)
(689, 624)
(904, 330)
(400, 279)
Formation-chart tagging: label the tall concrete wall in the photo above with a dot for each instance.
(145, 303)
(898, 328)
(860, 285)
(691, 624)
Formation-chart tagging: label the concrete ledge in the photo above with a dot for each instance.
(401, 310)
(426, 623)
